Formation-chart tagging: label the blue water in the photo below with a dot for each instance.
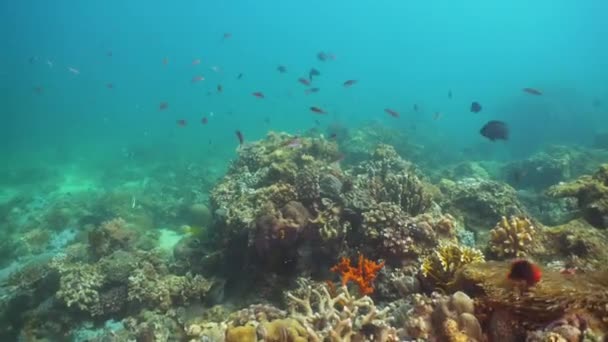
(402, 52)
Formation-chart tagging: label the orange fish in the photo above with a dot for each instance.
(533, 91)
(258, 94)
(391, 112)
(523, 270)
(317, 110)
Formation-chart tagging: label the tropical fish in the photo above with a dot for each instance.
(304, 81)
(49, 63)
(216, 68)
(532, 91)
(282, 69)
(258, 94)
(109, 53)
(239, 76)
(449, 94)
(165, 61)
(220, 88)
(227, 35)
(196, 61)
(182, 122)
(163, 105)
(437, 116)
(38, 90)
(524, 271)
(313, 72)
(240, 137)
(204, 120)
(391, 112)
(475, 107)
(197, 79)
(317, 110)
(323, 56)
(350, 83)
(74, 71)
(110, 85)
(415, 107)
(311, 90)
(495, 130)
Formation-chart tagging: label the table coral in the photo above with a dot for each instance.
(363, 274)
(440, 267)
(512, 238)
(592, 194)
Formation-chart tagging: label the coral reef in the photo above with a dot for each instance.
(591, 193)
(440, 267)
(512, 238)
(479, 203)
(339, 316)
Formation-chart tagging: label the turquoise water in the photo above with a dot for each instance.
(82, 83)
(402, 53)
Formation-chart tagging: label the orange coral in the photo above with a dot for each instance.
(363, 275)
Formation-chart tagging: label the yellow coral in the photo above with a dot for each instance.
(452, 333)
(241, 334)
(511, 237)
(441, 266)
(283, 330)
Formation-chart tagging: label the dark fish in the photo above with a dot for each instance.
(110, 85)
(524, 271)
(317, 110)
(495, 130)
(313, 72)
(163, 105)
(311, 90)
(475, 107)
(415, 108)
(109, 54)
(304, 81)
(239, 76)
(33, 59)
(239, 136)
(165, 61)
(182, 122)
(532, 91)
(282, 69)
(267, 121)
(449, 94)
(322, 56)
(227, 35)
(38, 90)
(333, 136)
(349, 83)
(258, 94)
(219, 88)
(392, 112)
(204, 120)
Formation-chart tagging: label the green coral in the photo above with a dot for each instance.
(591, 193)
(441, 266)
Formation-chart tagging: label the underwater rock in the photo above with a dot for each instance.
(591, 193)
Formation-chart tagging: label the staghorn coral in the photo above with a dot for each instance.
(339, 317)
(591, 193)
(363, 274)
(512, 238)
(440, 267)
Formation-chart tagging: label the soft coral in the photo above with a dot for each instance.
(363, 275)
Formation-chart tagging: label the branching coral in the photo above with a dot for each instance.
(591, 193)
(363, 274)
(339, 317)
(511, 237)
(441, 266)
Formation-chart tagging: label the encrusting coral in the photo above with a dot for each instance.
(512, 237)
(440, 267)
(363, 274)
(591, 193)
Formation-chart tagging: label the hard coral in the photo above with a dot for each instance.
(512, 237)
(363, 274)
(441, 266)
(592, 195)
